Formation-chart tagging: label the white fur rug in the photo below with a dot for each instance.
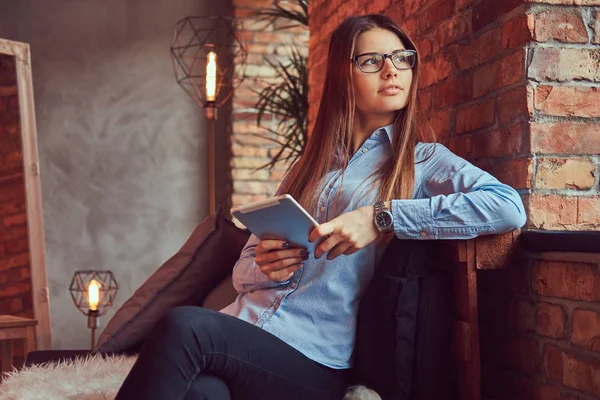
(89, 378)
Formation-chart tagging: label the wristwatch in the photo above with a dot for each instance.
(383, 219)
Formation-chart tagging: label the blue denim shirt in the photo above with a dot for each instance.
(315, 311)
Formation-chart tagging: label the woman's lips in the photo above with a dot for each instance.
(390, 91)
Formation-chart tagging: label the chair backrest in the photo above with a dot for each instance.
(221, 296)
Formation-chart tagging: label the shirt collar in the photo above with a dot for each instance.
(388, 131)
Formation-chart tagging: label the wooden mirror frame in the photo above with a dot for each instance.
(33, 193)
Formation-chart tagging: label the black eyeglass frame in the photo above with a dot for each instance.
(388, 55)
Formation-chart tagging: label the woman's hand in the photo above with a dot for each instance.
(277, 261)
(345, 234)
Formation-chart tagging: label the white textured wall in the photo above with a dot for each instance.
(122, 148)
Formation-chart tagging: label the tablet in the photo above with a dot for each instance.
(279, 217)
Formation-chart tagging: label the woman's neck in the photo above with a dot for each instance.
(365, 125)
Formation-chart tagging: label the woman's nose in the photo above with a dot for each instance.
(388, 69)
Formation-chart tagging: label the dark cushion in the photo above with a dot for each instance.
(403, 342)
(203, 262)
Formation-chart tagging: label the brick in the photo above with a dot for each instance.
(240, 199)
(517, 31)
(475, 116)
(565, 173)
(498, 74)
(441, 122)
(522, 316)
(455, 90)
(378, 6)
(410, 6)
(456, 28)
(440, 67)
(247, 162)
(16, 289)
(550, 320)
(549, 392)
(254, 187)
(588, 211)
(424, 100)
(563, 25)
(568, 101)
(553, 362)
(16, 232)
(586, 329)
(10, 208)
(565, 137)
(515, 104)
(460, 4)
(505, 142)
(434, 13)
(424, 47)
(582, 374)
(15, 247)
(249, 151)
(486, 12)
(481, 49)
(516, 173)
(575, 281)
(250, 174)
(562, 65)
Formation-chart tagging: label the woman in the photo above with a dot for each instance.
(368, 172)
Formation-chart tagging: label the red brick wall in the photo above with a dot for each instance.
(249, 151)
(15, 281)
(540, 328)
(511, 85)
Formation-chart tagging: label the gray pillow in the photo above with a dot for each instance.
(203, 262)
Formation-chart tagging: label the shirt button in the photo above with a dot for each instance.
(275, 307)
(322, 209)
(364, 150)
(423, 234)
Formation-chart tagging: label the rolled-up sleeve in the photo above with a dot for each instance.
(246, 275)
(459, 201)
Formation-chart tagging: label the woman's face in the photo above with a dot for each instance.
(385, 91)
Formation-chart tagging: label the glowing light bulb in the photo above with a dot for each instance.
(211, 76)
(93, 294)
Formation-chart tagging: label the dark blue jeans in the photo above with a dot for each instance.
(194, 353)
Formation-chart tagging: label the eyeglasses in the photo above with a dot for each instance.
(373, 62)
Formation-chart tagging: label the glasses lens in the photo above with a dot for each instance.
(370, 62)
(404, 59)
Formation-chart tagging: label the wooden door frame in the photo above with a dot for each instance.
(33, 194)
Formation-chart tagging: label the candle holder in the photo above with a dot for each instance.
(209, 61)
(93, 292)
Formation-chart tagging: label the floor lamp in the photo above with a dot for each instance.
(209, 62)
(93, 292)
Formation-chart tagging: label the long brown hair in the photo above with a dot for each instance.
(329, 146)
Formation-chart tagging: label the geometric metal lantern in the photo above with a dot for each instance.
(93, 292)
(196, 42)
(209, 61)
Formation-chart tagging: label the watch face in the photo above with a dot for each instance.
(383, 219)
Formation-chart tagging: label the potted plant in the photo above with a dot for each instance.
(287, 99)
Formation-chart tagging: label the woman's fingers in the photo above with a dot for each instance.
(280, 264)
(275, 255)
(268, 245)
(339, 249)
(283, 274)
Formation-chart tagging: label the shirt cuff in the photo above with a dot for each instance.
(412, 219)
